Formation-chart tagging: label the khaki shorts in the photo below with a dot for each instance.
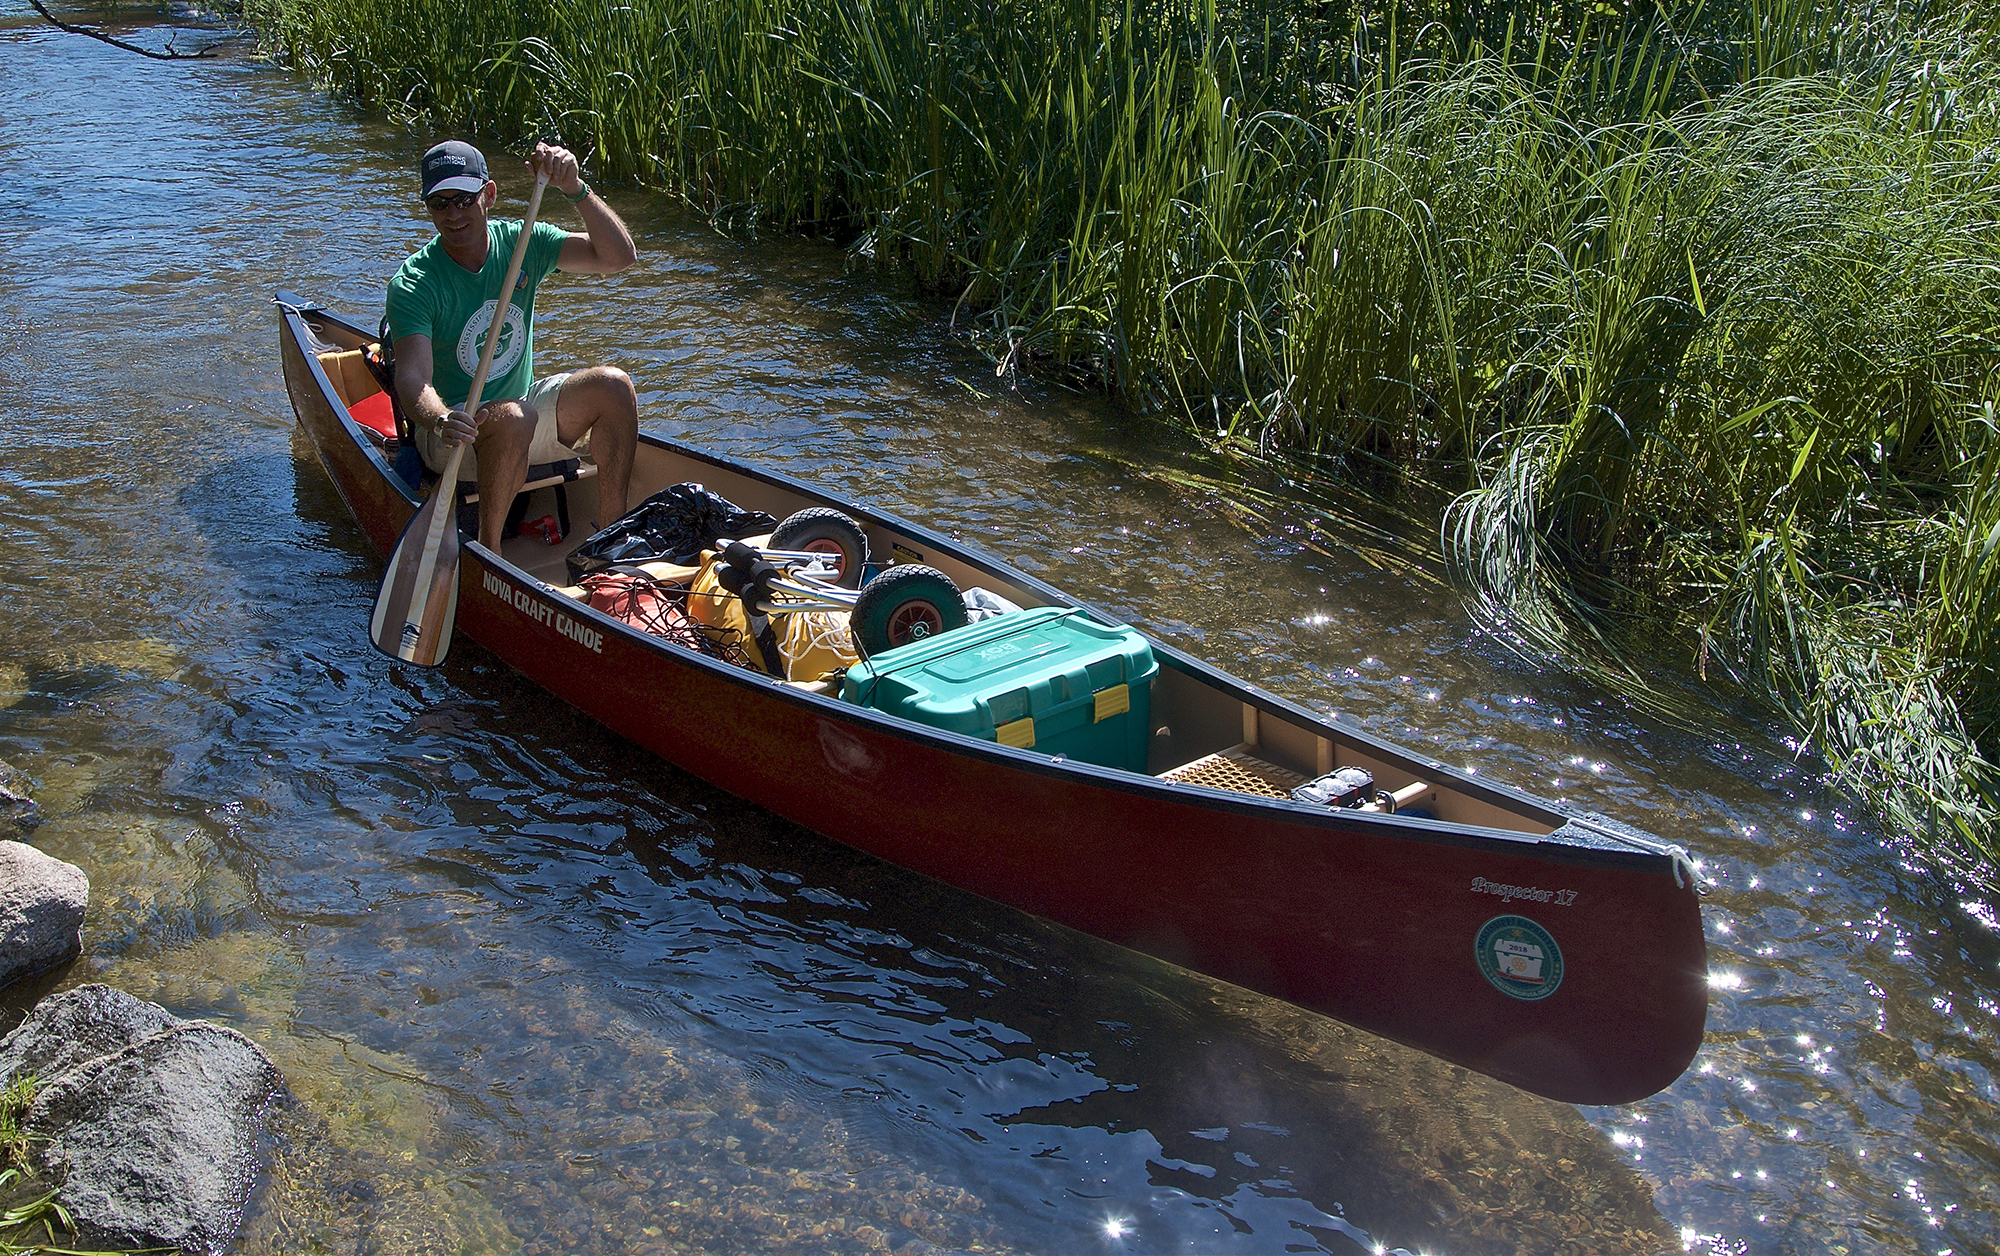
(542, 395)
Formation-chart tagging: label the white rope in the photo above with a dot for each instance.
(1633, 837)
(828, 631)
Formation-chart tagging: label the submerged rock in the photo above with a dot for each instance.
(150, 1120)
(17, 806)
(42, 901)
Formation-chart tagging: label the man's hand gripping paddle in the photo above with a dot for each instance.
(418, 599)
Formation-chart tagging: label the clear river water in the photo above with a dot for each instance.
(538, 992)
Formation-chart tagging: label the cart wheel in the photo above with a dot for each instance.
(904, 604)
(824, 530)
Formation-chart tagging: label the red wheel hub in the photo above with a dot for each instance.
(913, 621)
(826, 546)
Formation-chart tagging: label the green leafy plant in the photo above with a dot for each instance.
(15, 1097)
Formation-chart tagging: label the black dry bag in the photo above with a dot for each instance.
(674, 525)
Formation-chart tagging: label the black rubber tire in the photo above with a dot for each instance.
(905, 603)
(825, 530)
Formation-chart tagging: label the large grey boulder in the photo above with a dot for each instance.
(151, 1121)
(77, 1026)
(42, 900)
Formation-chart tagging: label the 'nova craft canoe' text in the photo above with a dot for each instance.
(1134, 793)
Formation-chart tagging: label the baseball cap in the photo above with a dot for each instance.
(453, 166)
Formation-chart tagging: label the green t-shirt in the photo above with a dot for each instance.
(432, 295)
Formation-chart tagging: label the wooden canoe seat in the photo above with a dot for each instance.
(550, 475)
(1239, 771)
(362, 394)
(543, 475)
(348, 370)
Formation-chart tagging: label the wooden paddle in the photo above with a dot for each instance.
(418, 599)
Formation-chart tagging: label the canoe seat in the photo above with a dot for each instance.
(1239, 771)
(555, 475)
(371, 406)
(347, 370)
(368, 404)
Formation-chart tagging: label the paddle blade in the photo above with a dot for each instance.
(418, 599)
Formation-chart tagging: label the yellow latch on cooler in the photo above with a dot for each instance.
(1113, 701)
(1020, 734)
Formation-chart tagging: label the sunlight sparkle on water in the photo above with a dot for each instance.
(1117, 1227)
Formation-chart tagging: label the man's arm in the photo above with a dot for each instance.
(419, 396)
(604, 246)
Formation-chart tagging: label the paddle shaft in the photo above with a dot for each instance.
(493, 333)
(426, 626)
(499, 316)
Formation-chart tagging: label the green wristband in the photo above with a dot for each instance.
(582, 193)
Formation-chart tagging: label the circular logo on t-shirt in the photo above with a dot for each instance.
(471, 341)
(1518, 958)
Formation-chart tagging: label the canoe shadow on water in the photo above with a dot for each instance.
(1021, 1060)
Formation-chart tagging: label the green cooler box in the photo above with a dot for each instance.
(1047, 679)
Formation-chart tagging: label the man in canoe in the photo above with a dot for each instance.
(445, 294)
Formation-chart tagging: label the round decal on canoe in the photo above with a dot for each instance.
(1519, 958)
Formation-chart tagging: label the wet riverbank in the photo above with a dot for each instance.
(538, 992)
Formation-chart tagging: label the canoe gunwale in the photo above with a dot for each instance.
(1319, 819)
(1316, 817)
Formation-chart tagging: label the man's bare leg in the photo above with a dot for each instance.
(506, 430)
(600, 400)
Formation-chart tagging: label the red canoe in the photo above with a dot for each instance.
(1560, 952)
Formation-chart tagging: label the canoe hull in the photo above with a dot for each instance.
(1399, 927)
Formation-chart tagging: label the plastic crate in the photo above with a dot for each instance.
(1047, 679)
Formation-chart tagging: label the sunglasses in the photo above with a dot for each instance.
(456, 200)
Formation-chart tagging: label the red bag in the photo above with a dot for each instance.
(654, 606)
(640, 601)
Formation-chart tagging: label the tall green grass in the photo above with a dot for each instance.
(1691, 306)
